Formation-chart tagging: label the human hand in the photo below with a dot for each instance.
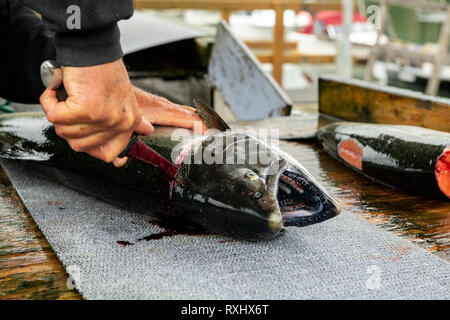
(100, 113)
(161, 111)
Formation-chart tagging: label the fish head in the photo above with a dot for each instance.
(245, 187)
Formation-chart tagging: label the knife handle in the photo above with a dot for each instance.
(51, 76)
(133, 139)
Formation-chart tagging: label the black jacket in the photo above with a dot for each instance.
(26, 40)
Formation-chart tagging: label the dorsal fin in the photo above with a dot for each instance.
(209, 116)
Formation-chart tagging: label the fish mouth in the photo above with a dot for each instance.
(301, 200)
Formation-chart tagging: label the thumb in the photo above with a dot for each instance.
(144, 127)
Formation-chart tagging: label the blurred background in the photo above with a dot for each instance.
(314, 38)
(391, 42)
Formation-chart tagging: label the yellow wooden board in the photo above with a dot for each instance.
(362, 101)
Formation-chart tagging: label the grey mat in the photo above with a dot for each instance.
(344, 258)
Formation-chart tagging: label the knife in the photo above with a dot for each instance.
(52, 75)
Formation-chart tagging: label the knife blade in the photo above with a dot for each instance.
(52, 75)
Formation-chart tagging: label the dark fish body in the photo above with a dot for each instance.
(243, 199)
(411, 158)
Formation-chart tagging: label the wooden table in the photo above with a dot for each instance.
(29, 269)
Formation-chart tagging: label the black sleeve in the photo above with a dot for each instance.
(25, 44)
(95, 40)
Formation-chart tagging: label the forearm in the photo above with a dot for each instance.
(95, 39)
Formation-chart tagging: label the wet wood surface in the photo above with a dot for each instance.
(420, 219)
(29, 269)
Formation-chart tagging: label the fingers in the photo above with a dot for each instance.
(48, 100)
(58, 112)
(179, 117)
(102, 145)
(76, 131)
(161, 111)
(62, 112)
(100, 112)
(120, 162)
(170, 115)
(195, 118)
(190, 109)
(111, 149)
(144, 127)
(92, 141)
(67, 113)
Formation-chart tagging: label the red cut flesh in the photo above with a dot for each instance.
(442, 171)
(144, 153)
(351, 152)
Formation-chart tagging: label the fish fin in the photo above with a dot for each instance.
(209, 116)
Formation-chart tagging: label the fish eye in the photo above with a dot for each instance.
(252, 176)
(257, 195)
